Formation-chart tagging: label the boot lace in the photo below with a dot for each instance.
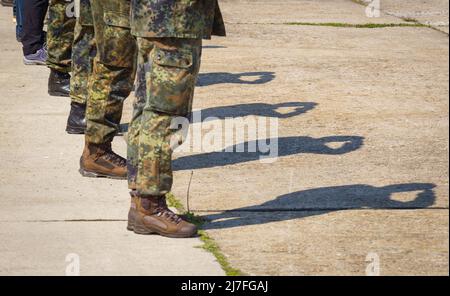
(116, 159)
(163, 211)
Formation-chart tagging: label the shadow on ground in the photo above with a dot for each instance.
(335, 145)
(207, 79)
(292, 109)
(321, 201)
(213, 47)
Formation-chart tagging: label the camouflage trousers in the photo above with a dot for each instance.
(167, 72)
(60, 34)
(105, 56)
(83, 53)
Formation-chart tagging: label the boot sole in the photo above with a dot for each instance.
(75, 130)
(89, 174)
(146, 231)
(81, 131)
(58, 94)
(130, 227)
(33, 63)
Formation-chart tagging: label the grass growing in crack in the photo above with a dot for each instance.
(358, 26)
(209, 244)
(410, 20)
(174, 202)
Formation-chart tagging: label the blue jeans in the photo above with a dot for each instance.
(18, 13)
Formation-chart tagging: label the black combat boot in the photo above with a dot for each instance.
(58, 84)
(76, 123)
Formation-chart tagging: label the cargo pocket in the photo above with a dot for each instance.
(117, 19)
(118, 46)
(172, 81)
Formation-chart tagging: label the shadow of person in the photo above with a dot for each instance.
(207, 79)
(321, 201)
(283, 146)
(243, 110)
(255, 109)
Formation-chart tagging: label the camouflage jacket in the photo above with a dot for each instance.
(176, 18)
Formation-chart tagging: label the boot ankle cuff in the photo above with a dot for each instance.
(73, 103)
(154, 197)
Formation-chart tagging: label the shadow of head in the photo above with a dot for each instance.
(282, 110)
(273, 147)
(207, 79)
(320, 201)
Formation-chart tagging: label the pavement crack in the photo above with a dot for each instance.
(317, 210)
(342, 25)
(65, 220)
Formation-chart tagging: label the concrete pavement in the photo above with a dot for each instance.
(362, 174)
(47, 210)
(363, 169)
(430, 12)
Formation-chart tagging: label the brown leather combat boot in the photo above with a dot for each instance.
(99, 161)
(152, 216)
(133, 210)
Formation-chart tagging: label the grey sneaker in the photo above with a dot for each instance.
(37, 58)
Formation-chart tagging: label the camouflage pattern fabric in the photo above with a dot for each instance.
(166, 76)
(177, 18)
(83, 53)
(60, 34)
(113, 72)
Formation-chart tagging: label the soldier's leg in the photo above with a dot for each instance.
(143, 67)
(113, 75)
(59, 45)
(170, 89)
(83, 53)
(134, 128)
(109, 85)
(171, 67)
